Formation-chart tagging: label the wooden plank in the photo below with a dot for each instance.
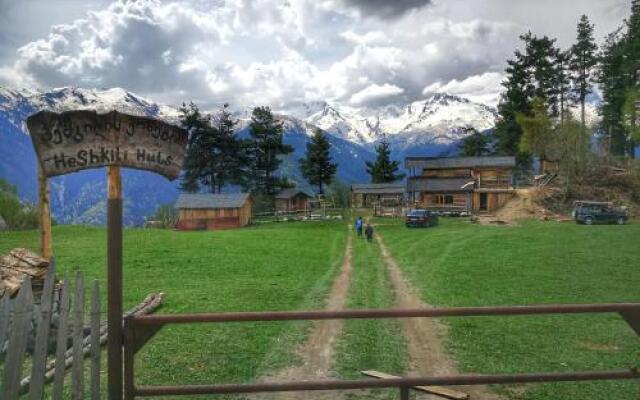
(21, 324)
(5, 307)
(61, 343)
(95, 341)
(39, 359)
(77, 370)
(435, 390)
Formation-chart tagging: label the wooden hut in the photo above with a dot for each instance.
(292, 199)
(213, 211)
(478, 184)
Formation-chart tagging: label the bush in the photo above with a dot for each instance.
(16, 214)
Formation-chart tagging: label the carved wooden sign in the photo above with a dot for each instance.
(77, 140)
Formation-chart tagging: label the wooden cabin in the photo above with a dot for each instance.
(213, 211)
(472, 184)
(368, 194)
(292, 199)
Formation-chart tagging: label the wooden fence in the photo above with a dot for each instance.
(31, 329)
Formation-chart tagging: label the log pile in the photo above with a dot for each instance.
(19, 265)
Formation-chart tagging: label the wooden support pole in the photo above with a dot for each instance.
(45, 215)
(114, 283)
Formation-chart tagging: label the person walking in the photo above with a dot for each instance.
(359, 226)
(368, 232)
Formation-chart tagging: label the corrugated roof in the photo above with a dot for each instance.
(458, 162)
(420, 184)
(378, 188)
(219, 200)
(291, 192)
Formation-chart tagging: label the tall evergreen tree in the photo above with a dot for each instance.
(265, 149)
(383, 170)
(475, 144)
(316, 166)
(214, 155)
(583, 59)
(515, 100)
(612, 84)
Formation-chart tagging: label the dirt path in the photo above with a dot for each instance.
(425, 336)
(317, 352)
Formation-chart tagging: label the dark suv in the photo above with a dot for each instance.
(421, 219)
(593, 212)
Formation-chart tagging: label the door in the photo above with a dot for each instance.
(483, 201)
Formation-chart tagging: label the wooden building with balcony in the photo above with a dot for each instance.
(472, 184)
(365, 195)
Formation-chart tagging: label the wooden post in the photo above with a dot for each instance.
(45, 215)
(114, 283)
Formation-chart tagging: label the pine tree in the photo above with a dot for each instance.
(475, 144)
(214, 155)
(583, 59)
(383, 170)
(316, 166)
(515, 99)
(612, 84)
(265, 148)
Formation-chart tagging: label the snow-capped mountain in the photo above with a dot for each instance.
(440, 120)
(80, 197)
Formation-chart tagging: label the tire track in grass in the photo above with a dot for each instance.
(317, 353)
(369, 344)
(425, 336)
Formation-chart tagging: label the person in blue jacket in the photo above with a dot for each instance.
(359, 226)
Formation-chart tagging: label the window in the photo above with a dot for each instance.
(443, 199)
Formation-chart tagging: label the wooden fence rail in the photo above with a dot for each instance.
(31, 328)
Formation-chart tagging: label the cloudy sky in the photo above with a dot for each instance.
(360, 53)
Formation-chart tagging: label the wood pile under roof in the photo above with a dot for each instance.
(19, 265)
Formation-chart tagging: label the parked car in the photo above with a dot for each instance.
(594, 212)
(421, 219)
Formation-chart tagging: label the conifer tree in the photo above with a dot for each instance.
(316, 166)
(583, 59)
(475, 144)
(214, 155)
(265, 149)
(383, 170)
(537, 129)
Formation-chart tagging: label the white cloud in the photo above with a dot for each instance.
(484, 88)
(250, 52)
(375, 93)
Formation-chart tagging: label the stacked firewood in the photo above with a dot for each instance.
(19, 265)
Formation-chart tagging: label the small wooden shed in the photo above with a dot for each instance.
(292, 199)
(213, 211)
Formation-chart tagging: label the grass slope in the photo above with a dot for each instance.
(459, 264)
(274, 267)
(370, 344)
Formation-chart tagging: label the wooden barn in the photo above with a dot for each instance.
(293, 199)
(472, 184)
(368, 194)
(213, 211)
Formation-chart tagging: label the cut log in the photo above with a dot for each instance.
(434, 390)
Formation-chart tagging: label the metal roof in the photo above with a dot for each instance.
(378, 188)
(292, 192)
(219, 200)
(440, 185)
(458, 162)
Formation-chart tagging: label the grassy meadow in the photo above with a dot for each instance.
(271, 267)
(460, 264)
(289, 266)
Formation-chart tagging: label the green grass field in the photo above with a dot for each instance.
(272, 267)
(459, 264)
(291, 266)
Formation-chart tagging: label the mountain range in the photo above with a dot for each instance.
(432, 126)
